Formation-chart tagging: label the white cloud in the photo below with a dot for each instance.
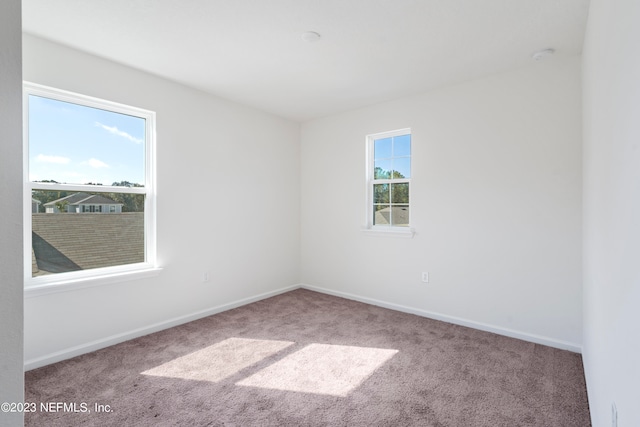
(114, 130)
(53, 159)
(95, 163)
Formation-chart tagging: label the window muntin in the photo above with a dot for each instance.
(389, 178)
(89, 165)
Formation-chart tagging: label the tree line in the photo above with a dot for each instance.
(390, 193)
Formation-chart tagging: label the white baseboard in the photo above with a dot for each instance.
(135, 333)
(563, 345)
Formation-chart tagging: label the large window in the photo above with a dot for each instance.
(389, 180)
(89, 188)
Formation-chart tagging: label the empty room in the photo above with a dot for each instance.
(319, 213)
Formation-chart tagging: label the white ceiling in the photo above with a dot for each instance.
(252, 52)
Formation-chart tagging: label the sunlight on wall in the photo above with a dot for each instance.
(322, 369)
(219, 361)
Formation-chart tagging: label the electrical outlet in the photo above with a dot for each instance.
(425, 276)
(614, 415)
(205, 277)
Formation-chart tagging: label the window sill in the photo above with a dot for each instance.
(400, 232)
(38, 288)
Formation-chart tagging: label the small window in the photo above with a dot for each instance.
(389, 180)
(81, 154)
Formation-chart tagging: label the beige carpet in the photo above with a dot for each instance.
(308, 359)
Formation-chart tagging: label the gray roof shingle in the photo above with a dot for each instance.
(80, 241)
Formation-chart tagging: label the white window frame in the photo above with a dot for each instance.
(385, 230)
(85, 278)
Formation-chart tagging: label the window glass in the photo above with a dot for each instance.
(390, 174)
(381, 193)
(402, 167)
(383, 148)
(400, 193)
(400, 215)
(76, 144)
(67, 236)
(382, 169)
(402, 145)
(89, 186)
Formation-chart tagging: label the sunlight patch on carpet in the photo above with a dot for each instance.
(219, 361)
(333, 370)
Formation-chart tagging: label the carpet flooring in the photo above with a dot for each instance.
(308, 359)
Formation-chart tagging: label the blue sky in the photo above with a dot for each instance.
(74, 144)
(394, 153)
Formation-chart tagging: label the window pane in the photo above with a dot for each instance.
(382, 148)
(391, 165)
(402, 146)
(402, 168)
(381, 193)
(78, 231)
(75, 144)
(382, 169)
(400, 215)
(381, 215)
(400, 193)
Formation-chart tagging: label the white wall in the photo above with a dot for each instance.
(11, 378)
(611, 87)
(496, 204)
(235, 166)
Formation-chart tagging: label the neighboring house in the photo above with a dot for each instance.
(83, 203)
(35, 205)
